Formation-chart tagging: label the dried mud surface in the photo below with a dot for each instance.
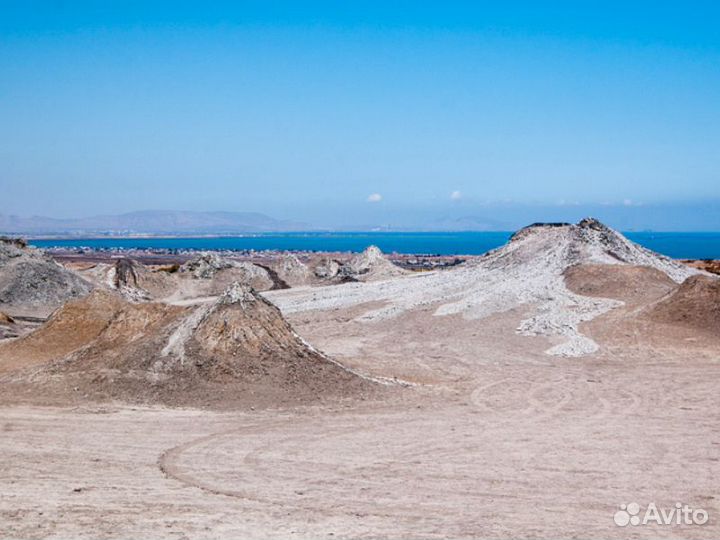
(497, 440)
(481, 434)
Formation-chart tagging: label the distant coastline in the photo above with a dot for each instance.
(679, 245)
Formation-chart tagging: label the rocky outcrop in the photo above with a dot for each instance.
(292, 271)
(205, 265)
(12, 241)
(326, 268)
(370, 265)
(126, 273)
(135, 281)
(128, 277)
(7, 326)
(220, 273)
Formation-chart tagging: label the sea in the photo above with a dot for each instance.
(680, 245)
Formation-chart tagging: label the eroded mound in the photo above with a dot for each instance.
(235, 352)
(132, 279)
(138, 282)
(206, 265)
(695, 303)
(370, 265)
(326, 268)
(72, 326)
(206, 275)
(214, 274)
(293, 271)
(32, 283)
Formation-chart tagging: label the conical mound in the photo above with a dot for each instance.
(370, 265)
(235, 352)
(589, 242)
(32, 283)
(528, 271)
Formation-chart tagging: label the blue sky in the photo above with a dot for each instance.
(364, 113)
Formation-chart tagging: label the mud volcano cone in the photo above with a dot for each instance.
(235, 352)
(32, 283)
(370, 265)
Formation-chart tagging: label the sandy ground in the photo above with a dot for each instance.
(496, 440)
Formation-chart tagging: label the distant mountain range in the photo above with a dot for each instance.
(151, 222)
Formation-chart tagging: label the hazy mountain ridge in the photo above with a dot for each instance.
(151, 222)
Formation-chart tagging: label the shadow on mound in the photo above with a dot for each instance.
(236, 352)
(695, 304)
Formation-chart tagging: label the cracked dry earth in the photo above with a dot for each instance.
(497, 440)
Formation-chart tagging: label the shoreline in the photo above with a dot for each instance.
(697, 245)
(411, 261)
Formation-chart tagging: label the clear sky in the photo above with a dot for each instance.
(362, 112)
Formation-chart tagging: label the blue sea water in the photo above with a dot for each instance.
(691, 245)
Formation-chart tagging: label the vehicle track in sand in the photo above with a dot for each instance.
(256, 460)
(434, 463)
(294, 463)
(577, 395)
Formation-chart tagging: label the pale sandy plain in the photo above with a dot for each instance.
(498, 440)
(483, 434)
